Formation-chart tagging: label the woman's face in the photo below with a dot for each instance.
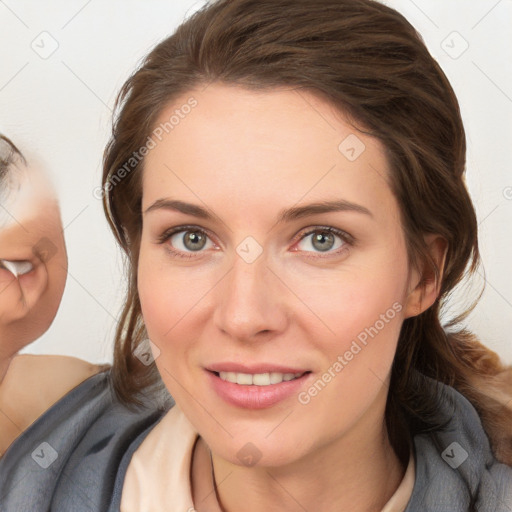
(259, 284)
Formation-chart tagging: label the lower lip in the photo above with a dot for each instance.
(252, 396)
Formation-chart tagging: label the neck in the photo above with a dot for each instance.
(357, 472)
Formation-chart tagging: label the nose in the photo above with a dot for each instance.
(251, 301)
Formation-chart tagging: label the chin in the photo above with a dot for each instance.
(259, 452)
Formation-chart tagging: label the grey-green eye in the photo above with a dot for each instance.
(322, 240)
(193, 240)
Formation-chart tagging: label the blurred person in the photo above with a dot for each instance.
(33, 271)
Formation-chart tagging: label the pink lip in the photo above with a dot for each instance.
(253, 368)
(252, 396)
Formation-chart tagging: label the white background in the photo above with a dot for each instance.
(58, 111)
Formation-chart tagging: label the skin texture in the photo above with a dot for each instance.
(245, 156)
(31, 230)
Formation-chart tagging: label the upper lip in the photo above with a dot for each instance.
(253, 368)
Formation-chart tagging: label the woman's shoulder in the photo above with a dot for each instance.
(455, 466)
(69, 457)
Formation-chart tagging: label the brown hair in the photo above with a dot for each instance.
(370, 63)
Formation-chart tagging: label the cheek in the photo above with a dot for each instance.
(366, 329)
(159, 306)
(348, 303)
(170, 299)
(359, 312)
(162, 310)
(358, 353)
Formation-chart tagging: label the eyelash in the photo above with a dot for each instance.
(345, 237)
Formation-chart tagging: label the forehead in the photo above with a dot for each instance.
(261, 146)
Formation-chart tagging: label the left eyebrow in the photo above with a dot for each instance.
(286, 215)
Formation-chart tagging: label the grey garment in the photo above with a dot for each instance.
(69, 458)
(95, 436)
(456, 470)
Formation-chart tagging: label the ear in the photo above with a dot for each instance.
(425, 287)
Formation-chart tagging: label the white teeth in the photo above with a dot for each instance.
(243, 378)
(17, 268)
(261, 379)
(275, 378)
(258, 379)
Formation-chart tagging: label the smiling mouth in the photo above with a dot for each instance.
(258, 379)
(256, 391)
